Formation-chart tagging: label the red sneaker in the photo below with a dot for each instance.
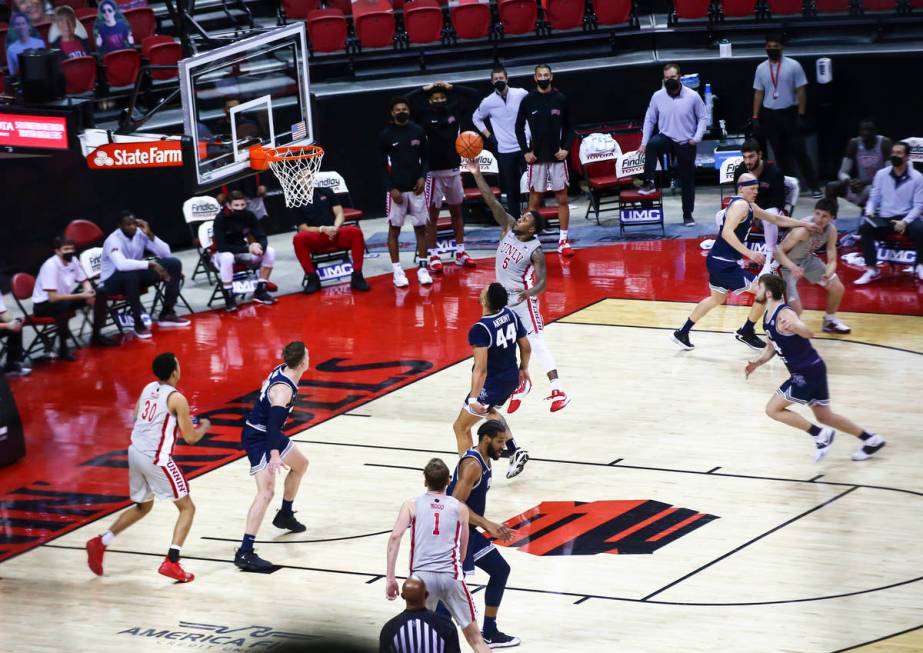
(462, 259)
(559, 400)
(175, 571)
(565, 249)
(435, 263)
(95, 551)
(518, 395)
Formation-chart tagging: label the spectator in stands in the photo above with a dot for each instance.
(404, 160)
(500, 109)
(780, 101)
(239, 238)
(34, 9)
(895, 205)
(125, 271)
(55, 296)
(679, 115)
(429, 631)
(545, 112)
(21, 37)
(321, 229)
(11, 331)
(441, 116)
(67, 40)
(112, 29)
(865, 155)
(771, 194)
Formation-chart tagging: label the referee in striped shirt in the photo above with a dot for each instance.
(416, 629)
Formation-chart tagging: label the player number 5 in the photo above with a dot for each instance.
(506, 262)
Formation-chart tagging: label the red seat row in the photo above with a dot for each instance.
(699, 9)
(424, 22)
(122, 67)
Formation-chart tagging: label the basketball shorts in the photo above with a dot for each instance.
(529, 314)
(478, 547)
(410, 204)
(147, 480)
(807, 386)
(548, 176)
(728, 276)
(257, 445)
(814, 270)
(496, 392)
(452, 592)
(444, 184)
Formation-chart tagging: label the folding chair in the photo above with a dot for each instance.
(549, 213)
(197, 210)
(118, 309)
(599, 153)
(335, 181)
(245, 278)
(46, 329)
(487, 162)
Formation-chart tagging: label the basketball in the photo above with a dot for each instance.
(468, 145)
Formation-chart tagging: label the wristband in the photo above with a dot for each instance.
(471, 400)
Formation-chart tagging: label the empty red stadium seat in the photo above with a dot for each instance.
(471, 20)
(879, 5)
(122, 67)
(299, 9)
(831, 6)
(73, 4)
(79, 75)
(346, 6)
(374, 23)
(423, 21)
(691, 9)
(518, 16)
(143, 22)
(738, 8)
(327, 30)
(785, 7)
(165, 54)
(83, 232)
(564, 14)
(151, 41)
(612, 12)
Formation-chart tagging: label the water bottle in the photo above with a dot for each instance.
(724, 131)
(709, 107)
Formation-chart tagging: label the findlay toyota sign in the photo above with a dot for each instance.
(218, 637)
(147, 154)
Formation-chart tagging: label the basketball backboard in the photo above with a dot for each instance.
(256, 90)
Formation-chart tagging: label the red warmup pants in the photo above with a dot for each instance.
(313, 242)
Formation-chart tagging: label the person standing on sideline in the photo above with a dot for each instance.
(500, 108)
(161, 413)
(416, 629)
(404, 158)
(895, 206)
(780, 101)
(544, 110)
(771, 194)
(679, 115)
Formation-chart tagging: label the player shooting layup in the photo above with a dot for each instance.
(160, 413)
(520, 267)
(439, 538)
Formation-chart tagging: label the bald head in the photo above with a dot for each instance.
(414, 593)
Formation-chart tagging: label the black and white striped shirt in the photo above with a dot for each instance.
(418, 631)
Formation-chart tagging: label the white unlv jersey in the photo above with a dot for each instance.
(514, 263)
(155, 430)
(436, 535)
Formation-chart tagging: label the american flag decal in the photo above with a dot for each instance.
(299, 131)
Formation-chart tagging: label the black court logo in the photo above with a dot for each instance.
(588, 528)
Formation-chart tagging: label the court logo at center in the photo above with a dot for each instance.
(588, 528)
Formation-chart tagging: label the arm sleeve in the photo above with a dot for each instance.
(256, 230)
(158, 247)
(123, 263)
(46, 278)
(521, 125)
(479, 115)
(650, 121)
(702, 118)
(479, 336)
(384, 146)
(917, 207)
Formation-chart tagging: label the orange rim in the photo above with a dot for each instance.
(292, 152)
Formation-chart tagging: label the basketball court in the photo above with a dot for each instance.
(661, 511)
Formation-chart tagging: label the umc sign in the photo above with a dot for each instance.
(651, 215)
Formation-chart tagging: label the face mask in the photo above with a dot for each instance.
(544, 83)
(439, 106)
(67, 256)
(774, 53)
(896, 161)
(401, 117)
(672, 86)
(500, 85)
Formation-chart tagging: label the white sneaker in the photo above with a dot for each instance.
(869, 447)
(517, 463)
(400, 279)
(867, 277)
(423, 276)
(823, 441)
(834, 325)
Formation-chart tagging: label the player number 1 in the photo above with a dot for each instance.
(436, 528)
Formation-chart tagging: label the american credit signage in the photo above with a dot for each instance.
(24, 130)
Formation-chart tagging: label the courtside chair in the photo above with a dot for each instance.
(197, 210)
(45, 328)
(84, 233)
(91, 260)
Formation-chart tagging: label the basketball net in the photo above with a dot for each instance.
(295, 167)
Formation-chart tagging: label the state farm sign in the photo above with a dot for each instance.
(147, 154)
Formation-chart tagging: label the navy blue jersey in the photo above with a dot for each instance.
(796, 351)
(721, 250)
(258, 416)
(477, 500)
(499, 333)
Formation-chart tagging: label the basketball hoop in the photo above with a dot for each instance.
(294, 166)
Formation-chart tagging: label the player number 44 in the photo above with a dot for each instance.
(504, 339)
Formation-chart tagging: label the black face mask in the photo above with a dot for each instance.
(500, 85)
(68, 256)
(543, 83)
(401, 117)
(672, 86)
(439, 107)
(774, 54)
(897, 161)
